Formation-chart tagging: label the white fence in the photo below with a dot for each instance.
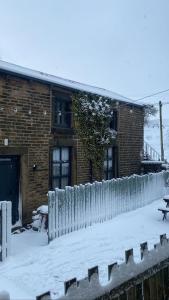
(5, 229)
(81, 206)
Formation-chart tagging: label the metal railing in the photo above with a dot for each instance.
(150, 153)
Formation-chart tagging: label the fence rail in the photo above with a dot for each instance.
(5, 229)
(80, 206)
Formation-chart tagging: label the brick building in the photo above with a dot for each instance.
(39, 148)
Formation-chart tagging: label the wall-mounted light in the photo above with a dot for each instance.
(34, 167)
(6, 142)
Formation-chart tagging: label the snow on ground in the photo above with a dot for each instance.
(35, 267)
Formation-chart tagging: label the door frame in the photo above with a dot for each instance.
(22, 153)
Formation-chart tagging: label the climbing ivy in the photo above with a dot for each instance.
(92, 117)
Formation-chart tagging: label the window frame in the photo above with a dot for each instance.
(61, 162)
(114, 160)
(62, 100)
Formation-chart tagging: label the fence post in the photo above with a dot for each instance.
(5, 229)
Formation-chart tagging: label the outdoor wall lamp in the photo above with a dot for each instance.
(34, 167)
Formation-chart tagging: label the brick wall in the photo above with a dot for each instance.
(130, 139)
(26, 120)
(28, 134)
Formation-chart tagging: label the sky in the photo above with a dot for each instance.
(121, 45)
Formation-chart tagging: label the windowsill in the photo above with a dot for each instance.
(62, 130)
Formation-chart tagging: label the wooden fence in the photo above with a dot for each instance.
(147, 279)
(5, 229)
(80, 206)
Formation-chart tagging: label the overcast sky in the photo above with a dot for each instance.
(122, 45)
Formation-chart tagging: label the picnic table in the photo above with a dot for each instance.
(166, 199)
(165, 211)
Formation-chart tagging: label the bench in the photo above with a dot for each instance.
(166, 200)
(164, 212)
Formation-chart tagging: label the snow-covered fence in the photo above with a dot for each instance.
(5, 229)
(146, 279)
(80, 206)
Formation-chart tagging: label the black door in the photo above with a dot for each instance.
(9, 183)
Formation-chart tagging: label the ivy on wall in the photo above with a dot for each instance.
(92, 117)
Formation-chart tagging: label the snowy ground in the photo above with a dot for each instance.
(36, 267)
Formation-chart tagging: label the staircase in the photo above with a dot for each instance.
(150, 154)
(151, 160)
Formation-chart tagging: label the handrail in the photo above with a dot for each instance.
(150, 153)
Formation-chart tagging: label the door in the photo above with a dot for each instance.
(9, 183)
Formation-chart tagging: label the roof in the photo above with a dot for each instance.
(62, 82)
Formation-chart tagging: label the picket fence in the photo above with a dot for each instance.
(5, 229)
(144, 279)
(80, 206)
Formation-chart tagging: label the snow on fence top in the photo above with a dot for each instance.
(12, 68)
(80, 206)
(129, 273)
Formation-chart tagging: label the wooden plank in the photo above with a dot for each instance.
(9, 225)
(0, 233)
(166, 282)
(131, 293)
(123, 296)
(4, 226)
(139, 291)
(146, 289)
(153, 288)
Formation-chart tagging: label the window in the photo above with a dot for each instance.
(113, 123)
(61, 167)
(62, 112)
(110, 163)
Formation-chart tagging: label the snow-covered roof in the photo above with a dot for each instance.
(26, 72)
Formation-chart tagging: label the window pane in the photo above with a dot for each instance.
(65, 154)
(56, 154)
(65, 169)
(62, 112)
(110, 164)
(56, 169)
(110, 152)
(105, 165)
(105, 154)
(64, 182)
(55, 183)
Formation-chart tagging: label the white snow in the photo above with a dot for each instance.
(35, 267)
(62, 81)
(43, 209)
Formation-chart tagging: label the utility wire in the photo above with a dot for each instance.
(154, 94)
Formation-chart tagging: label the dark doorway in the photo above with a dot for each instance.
(9, 183)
